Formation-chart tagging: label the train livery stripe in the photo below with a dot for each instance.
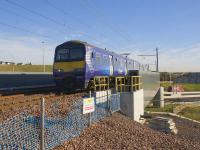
(69, 66)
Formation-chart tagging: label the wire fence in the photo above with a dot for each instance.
(61, 124)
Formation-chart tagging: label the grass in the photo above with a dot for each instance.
(25, 68)
(191, 87)
(167, 108)
(165, 84)
(186, 86)
(191, 112)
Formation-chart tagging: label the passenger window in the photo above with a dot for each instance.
(92, 55)
(97, 57)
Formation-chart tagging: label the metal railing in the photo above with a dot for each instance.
(128, 83)
(101, 83)
(173, 95)
(119, 83)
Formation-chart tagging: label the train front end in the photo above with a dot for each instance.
(69, 65)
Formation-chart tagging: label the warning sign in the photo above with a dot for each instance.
(88, 105)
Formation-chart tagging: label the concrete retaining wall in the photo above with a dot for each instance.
(132, 104)
(8, 80)
(151, 85)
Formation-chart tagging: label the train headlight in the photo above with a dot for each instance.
(58, 70)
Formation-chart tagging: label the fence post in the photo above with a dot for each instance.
(42, 147)
(108, 103)
(90, 115)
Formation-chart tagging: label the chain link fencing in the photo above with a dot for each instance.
(61, 123)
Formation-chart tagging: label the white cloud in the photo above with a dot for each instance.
(25, 49)
(185, 59)
(30, 49)
(180, 60)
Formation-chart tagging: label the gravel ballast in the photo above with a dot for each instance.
(119, 132)
(11, 106)
(186, 128)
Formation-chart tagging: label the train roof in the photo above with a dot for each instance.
(87, 44)
(79, 42)
(107, 51)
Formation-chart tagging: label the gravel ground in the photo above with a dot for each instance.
(186, 129)
(16, 104)
(119, 132)
(116, 132)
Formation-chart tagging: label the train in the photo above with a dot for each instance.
(76, 63)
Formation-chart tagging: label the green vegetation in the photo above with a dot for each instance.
(167, 108)
(191, 112)
(186, 86)
(191, 87)
(188, 111)
(25, 68)
(165, 84)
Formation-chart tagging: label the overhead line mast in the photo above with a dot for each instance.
(157, 69)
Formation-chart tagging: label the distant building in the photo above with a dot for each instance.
(9, 63)
(28, 63)
(19, 64)
(191, 77)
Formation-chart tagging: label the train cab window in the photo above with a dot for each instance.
(62, 54)
(77, 53)
(69, 54)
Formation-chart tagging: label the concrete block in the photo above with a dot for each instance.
(159, 100)
(132, 104)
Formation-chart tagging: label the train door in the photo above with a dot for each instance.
(111, 65)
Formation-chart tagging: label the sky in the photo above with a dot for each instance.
(33, 28)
